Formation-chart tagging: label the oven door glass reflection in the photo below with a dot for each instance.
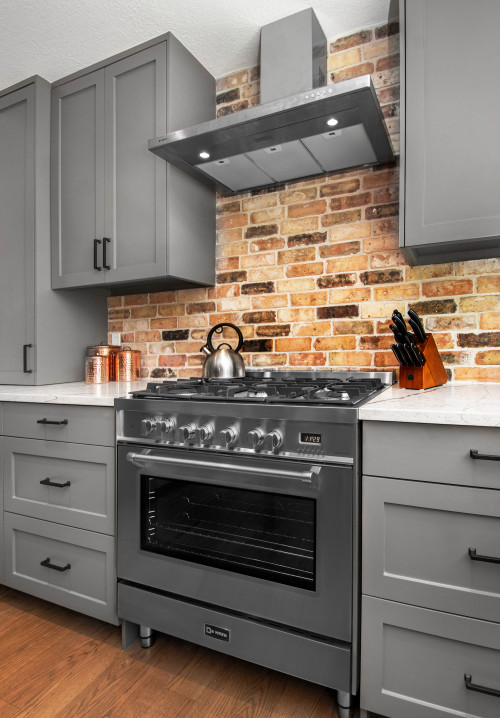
(256, 533)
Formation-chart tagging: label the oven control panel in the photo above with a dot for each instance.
(287, 437)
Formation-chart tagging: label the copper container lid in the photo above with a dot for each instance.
(128, 364)
(106, 350)
(103, 350)
(97, 369)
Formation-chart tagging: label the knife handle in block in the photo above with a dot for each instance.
(431, 374)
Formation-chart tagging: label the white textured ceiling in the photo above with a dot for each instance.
(54, 38)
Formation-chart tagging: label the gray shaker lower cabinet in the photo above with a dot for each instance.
(430, 571)
(71, 484)
(414, 662)
(67, 566)
(58, 464)
(1, 499)
(450, 118)
(418, 539)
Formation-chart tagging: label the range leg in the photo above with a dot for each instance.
(344, 702)
(146, 636)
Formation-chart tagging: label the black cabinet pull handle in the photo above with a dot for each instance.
(46, 562)
(480, 689)
(474, 454)
(96, 265)
(49, 482)
(104, 257)
(25, 359)
(477, 557)
(48, 421)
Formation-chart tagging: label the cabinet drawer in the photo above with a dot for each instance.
(88, 584)
(413, 662)
(82, 493)
(63, 422)
(416, 541)
(430, 452)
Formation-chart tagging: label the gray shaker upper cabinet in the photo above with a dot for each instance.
(450, 149)
(43, 334)
(121, 217)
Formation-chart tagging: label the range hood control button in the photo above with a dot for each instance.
(166, 426)
(276, 438)
(187, 432)
(257, 437)
(229, 436)
(148, 426)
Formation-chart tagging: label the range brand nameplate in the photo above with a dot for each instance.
(222, 634)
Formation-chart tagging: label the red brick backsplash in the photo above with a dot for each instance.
(311, 271)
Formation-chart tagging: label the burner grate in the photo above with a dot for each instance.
(347, 391)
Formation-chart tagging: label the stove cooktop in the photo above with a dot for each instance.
(336, 389)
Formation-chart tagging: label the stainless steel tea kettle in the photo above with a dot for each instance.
(223, 362)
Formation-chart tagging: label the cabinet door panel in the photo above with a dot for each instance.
(77, 180)
(79, 482)
(17, 239)
(135, 179)
(414, 662)
(417, 538)
(88, 584)
(452, 121)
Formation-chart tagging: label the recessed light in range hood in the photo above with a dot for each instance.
(284, 140)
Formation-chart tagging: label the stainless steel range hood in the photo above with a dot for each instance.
(312, 132)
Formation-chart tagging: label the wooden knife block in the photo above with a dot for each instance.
(431, 374)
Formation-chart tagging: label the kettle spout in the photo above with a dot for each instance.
(205, 348)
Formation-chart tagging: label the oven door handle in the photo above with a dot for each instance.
(142, 459)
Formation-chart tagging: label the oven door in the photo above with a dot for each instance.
(264, 537)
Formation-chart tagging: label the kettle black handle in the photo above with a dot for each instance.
(218, 329)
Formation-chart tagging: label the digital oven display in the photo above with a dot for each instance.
(306, 438)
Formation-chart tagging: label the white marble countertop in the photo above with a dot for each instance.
(460, 403)
(77, 393)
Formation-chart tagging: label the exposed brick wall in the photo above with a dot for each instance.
(311, 272)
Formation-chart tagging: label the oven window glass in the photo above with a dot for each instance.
(272, 536)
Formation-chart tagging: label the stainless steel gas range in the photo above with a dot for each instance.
(238, 518)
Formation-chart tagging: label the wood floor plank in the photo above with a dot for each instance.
(7, 710)
(55, 663)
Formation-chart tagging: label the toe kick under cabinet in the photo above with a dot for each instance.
(58, 465)
(431, 571)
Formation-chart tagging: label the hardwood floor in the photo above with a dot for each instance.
(55, 663)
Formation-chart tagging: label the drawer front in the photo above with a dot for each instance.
(87, 581)
(416, 541)
(428, 452)
(61, 422)
(413, 662)
(1, 513)
(71, 484)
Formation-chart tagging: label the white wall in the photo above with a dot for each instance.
(54, 38)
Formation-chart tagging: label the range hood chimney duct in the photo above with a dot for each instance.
(293, 56)
(302, 128)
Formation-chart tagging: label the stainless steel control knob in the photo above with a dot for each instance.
(166, 425)
(148, 426)
(229, 436)
(205, 432)
(187, 432)
(276, 438)
(257, 438)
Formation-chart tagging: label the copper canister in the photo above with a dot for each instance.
(96, 370)
(106, 350)
(128, 364)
